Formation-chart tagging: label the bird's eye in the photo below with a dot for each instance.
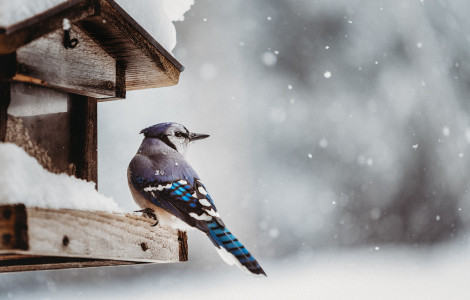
(178, 134)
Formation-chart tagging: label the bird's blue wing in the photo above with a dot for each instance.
(183, 196)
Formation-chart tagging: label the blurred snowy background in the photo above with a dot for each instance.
(339, 152)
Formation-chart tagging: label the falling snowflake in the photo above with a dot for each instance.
(323, 143)
(446, 131)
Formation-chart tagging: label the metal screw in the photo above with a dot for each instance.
(23, 68)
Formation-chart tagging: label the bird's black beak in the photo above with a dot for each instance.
(197, 136)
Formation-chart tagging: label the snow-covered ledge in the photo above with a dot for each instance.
(51, 221)
(34, 238)
(24, 181)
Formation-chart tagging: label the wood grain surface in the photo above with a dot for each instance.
(37, 237)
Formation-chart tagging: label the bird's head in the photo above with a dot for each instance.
(174, 135)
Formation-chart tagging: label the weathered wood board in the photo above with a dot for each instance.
(84, 70)
(38, 238)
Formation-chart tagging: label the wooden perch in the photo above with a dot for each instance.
(38, 238)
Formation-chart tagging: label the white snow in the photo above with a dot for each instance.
(269, 58)
(24, 180)
(175, 9)
(66, 24)
(12, 12)
(391, 273)
(155, 16)
(446, 131)
(32, 101)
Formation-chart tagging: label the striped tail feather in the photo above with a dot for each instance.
(231, 250)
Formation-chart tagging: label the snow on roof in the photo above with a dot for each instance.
(24, 180)
(155, 16)
(12, 12)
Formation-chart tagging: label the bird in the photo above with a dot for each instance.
(166, 188)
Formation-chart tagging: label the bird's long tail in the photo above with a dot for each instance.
(230, 249)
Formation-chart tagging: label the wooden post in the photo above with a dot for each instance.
(5, 98)
(84, 137)
(7, 71)
(183, 241)
(120, 80)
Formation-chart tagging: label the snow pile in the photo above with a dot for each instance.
(24, 180)
(155, 16)
(12, 12)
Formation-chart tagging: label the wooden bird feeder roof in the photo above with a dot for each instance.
(140, 61)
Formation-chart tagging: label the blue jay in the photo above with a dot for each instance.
(168, 189)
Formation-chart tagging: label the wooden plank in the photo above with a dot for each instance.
(84, 70)
(72, 238)
(39, 263)
(84, 234)
(84, 137)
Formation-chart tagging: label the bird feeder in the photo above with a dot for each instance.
(54, 69)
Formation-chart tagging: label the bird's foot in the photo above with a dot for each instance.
(150, 213)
